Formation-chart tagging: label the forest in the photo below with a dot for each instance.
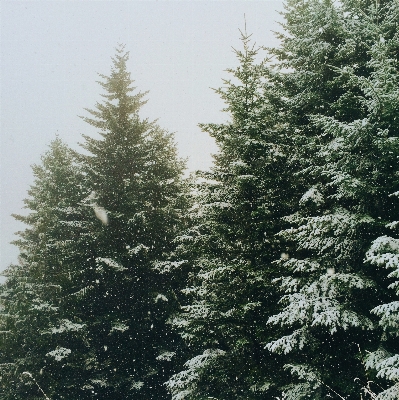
(273, 275)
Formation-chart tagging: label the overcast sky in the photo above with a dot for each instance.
(51, 52)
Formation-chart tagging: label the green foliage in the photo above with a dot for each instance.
(84, 312)
(346, 168)
(232, 243)
(38, 315)
(139, 195)
(281, 278)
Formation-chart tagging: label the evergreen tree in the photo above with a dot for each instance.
(41, 330)
(231, 245)
(282, 265)
(329, 292)
(139, 196)
(84, 312)
(382, 89)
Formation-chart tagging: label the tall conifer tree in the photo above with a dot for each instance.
(329, 291)
(43, 334)
(86, 308)
(138, 194)
(382, 90)
(232, 244)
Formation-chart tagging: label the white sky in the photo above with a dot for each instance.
(51, 52)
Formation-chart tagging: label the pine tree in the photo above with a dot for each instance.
(139, 196)
(383, 103)
(84, 312)
(231, 244)
(329, 292)
(39, 323)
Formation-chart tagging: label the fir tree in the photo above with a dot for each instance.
(383, 103)
(329, 292)
(232, 244)
(41, 330)
(138, 195)
(84, 312)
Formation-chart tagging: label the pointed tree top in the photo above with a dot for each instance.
(120, 105)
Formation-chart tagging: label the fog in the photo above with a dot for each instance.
(51, 53)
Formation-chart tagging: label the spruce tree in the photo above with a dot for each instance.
(84, 312)
(41, 329)
(328, 290)
(382, 89)
(139, 197)
(231, 244)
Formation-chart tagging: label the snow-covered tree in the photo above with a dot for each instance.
(231, 244)
(138, 195)
(347, 166)
(40, 329)
(382, 89)
(84, 312)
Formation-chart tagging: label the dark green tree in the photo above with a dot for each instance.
(232, 243)
(138, 194)
(84, 312)
(41, 328)
(345, 162)
(382, 89)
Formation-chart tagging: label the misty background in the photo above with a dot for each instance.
(52, 51)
